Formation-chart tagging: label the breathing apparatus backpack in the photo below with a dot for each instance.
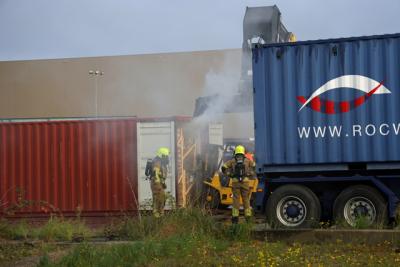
(149, 169)
(239, 169)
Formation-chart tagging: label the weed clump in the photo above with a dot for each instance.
(238, 232)
(191, 221)
(63, 230)
(172, 251)
(18, 231)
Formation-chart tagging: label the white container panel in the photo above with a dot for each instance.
(152, 136)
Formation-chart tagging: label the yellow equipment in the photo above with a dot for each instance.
(222, 195)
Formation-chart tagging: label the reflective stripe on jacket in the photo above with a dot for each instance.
(159, 171)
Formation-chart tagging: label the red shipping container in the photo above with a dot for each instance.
(89, 165)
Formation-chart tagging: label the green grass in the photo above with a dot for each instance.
(16, 251)
(183, 250)
(18, 231)
(201, 251)
(188, 237)
(55, 229)
(362, 222)
(181, 221)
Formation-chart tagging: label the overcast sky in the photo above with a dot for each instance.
(42, 29)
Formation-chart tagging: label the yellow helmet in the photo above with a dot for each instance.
(239, 150)
(163, 151)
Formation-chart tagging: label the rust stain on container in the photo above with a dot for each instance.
(85, 164)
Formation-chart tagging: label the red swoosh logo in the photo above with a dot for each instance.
(331, 107)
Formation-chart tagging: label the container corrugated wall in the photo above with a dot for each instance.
(346, 120)
(70, 165)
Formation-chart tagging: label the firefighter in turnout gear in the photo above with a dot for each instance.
(158, 170)
(241, 170)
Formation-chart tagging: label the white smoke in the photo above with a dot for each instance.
(223, 85)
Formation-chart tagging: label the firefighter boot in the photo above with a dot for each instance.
(247, 214)
(235, 220)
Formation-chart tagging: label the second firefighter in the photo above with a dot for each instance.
(240, 169)
(157, 170)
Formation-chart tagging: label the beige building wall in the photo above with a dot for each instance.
(141, 85)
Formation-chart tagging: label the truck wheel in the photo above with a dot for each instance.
(360, 206)
(293, 206)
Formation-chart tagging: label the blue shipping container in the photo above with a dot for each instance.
(327, 104)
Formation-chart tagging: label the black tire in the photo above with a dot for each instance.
(293, 206)
(360, 206)
(215, 201)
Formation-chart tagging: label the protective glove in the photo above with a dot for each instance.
(223, 169)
